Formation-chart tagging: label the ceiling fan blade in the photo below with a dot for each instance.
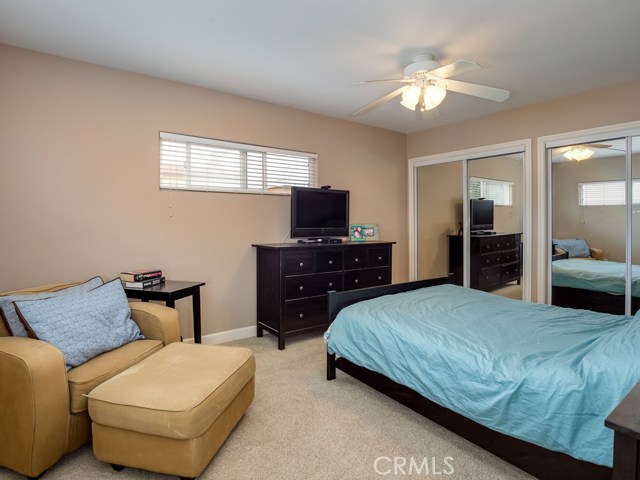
(482, 91)
(382, 100)
(455, 68)
(404, 80)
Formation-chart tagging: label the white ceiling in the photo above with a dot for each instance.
(306, 54)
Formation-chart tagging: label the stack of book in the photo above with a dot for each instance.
(141, 278)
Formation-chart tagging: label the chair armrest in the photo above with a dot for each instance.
(596, 253)
(156, 321)
(34, 394)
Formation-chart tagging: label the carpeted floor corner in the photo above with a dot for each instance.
(301, 427)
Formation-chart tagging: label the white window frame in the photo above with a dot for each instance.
(485, 187)
(611, 193)
(209, 165)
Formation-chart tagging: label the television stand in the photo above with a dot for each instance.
(320, 240)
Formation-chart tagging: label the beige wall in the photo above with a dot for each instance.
(79, 181)
(601, 107)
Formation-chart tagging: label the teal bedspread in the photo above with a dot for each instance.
(544, 374)
(595, 275)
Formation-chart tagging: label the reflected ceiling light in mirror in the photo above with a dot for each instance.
(578, 153)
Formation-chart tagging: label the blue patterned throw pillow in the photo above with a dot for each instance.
(10, 317)
(84, 325)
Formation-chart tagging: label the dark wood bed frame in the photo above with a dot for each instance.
(592, 300)
(533, 459)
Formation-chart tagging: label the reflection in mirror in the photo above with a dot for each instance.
(495, 224)
(589, 226)
(635, 225)
(439, 213)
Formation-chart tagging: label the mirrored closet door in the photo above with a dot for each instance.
(633, 292)
(481, 249)
(593, 223)
(439, 213)
(495, 221)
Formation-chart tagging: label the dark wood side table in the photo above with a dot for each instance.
(625, 423)
(169, 292)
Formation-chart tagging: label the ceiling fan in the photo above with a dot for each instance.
(427, 83)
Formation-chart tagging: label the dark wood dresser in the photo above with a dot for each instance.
(294, 278)
(493, 259)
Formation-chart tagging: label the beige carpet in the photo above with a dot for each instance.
(301, 426)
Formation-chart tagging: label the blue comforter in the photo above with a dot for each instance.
(544, 374)
(596, 275)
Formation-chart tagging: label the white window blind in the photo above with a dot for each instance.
(607, 193)
(500, 191)
(202, 164)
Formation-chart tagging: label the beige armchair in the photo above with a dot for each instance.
(43, 407)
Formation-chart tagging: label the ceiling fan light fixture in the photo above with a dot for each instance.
(434, 95)
(411, 97)
(578, 153)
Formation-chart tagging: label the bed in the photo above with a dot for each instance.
(593, 285)
(573, 367)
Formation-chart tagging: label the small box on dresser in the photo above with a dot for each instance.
(293, 280)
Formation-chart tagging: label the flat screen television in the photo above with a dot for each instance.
(481, 215)
(319, 212)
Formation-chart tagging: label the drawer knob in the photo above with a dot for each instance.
(380, 258)
(356, 281)
(330, 262)
(302, 264)
(357, 259)
(379, 277)
(331, 284)
(301, 315)
(301, 288)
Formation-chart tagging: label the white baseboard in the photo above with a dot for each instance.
(227, 336)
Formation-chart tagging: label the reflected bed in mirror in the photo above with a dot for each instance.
(594, 285)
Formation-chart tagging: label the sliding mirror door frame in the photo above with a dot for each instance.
(545, 217)
(516, 147)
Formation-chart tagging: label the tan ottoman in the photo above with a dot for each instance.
(171, 412)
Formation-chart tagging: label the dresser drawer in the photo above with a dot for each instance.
(510, 256)
(509, 242)
(301, 314)
(490, 259)
(301, 286)
(298, 263)
(328, 261)
(490, 276)
(488, 245)
(378, 257)
(510, 272)
(366, 278)
(356, 258)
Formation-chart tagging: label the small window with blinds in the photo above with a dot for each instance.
(202, 164)
(500, 191)
(610, 193)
